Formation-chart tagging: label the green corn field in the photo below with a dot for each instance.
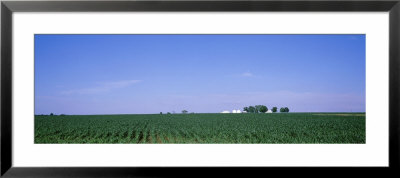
(241, 128)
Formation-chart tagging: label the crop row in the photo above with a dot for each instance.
(201, 128)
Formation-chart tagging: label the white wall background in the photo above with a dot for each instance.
(373, 153)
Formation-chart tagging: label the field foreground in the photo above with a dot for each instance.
(202, 128)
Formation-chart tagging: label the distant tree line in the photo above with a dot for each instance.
(52, 114)
(263, 109)
(173, 112)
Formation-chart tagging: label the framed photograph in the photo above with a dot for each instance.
(163, 88)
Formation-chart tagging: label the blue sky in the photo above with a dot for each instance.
(123, 74)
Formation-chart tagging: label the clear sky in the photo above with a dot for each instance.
(123, 74)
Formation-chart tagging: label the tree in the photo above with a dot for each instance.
(258, 107)
(184, 111)
(274, 109)
(252, 109)
(246, 109)
(168, 113)
(51, 114)
(263, 109)
(286, 109)
(160, 112)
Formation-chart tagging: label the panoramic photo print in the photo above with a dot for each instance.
(200, 89)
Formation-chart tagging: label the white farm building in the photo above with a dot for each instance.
(233, 111)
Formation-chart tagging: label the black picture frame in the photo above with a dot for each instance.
(8, 7)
